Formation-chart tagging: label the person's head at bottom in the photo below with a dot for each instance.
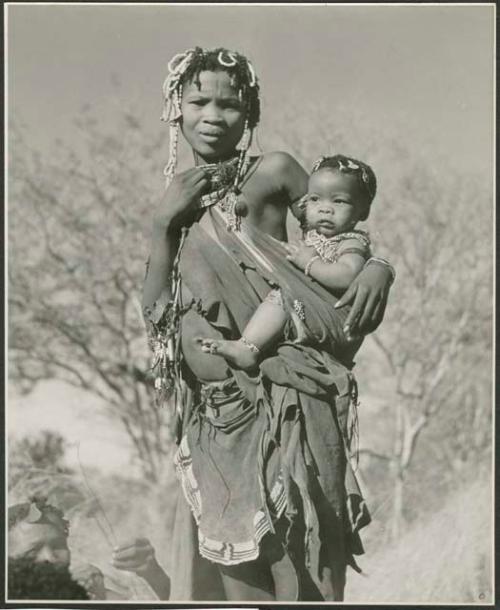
(38, 553)
(39, 532)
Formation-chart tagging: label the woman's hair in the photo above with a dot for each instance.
(37, 510)
(28, 579)
(184, 68)
(362, 171)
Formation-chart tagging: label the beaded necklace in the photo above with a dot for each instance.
(327, 247)
(222, 177)
(225, 179)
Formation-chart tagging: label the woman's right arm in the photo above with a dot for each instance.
(164, 244)
(175, 211)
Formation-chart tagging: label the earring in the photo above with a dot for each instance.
(169, 170)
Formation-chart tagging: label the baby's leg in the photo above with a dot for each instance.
(265, 326)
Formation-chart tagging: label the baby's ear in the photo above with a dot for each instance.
(301, 209)
(301, 204)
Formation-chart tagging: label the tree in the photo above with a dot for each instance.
(436, 338)
(77, 253)
(45, 451)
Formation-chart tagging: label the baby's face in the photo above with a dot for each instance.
(334, 202)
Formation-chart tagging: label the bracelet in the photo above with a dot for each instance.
(307, 269)
(382, 261)
(251, 346)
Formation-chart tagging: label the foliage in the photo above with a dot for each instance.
(75, 271)
(46, 450)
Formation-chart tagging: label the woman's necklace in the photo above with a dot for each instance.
(222, 177)
(225, 178)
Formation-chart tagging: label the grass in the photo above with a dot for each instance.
(445, 559)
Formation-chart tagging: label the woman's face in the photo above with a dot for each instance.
(40, 542)
(213, 116)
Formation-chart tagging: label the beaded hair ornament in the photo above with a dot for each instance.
(225, 177)
(36, 511)
(348, 165)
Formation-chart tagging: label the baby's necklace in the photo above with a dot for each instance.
(327, 247)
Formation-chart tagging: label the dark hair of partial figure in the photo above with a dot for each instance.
(28, 579)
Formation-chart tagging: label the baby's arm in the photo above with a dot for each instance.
(336, 276)
(339, 275)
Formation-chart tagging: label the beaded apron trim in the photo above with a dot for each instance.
(225, 553)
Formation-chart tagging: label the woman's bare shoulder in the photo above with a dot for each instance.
(279, 161)
(284, 172)
(278, 177)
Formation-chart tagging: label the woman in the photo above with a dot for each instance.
(261, 457)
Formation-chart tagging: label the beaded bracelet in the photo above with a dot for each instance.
(382, 261)
(307, 269)
(251, 346)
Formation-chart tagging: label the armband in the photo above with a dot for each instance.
(382, 261)
(307, 269)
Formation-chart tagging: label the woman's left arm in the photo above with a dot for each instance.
(367, 295)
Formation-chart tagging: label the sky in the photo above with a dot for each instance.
(426, 69)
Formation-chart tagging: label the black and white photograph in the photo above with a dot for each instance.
(249, 276)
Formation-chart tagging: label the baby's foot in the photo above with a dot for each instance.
(235, 352)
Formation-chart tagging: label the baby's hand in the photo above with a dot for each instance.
(299, 254)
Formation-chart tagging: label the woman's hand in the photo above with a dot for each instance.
(368, 296)
(91, 579)
(181, 198)
(299, 254)
(136, 555)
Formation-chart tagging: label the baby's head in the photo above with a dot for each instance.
(340, 192)
(39, 532)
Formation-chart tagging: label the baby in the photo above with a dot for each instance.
(332, 252)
